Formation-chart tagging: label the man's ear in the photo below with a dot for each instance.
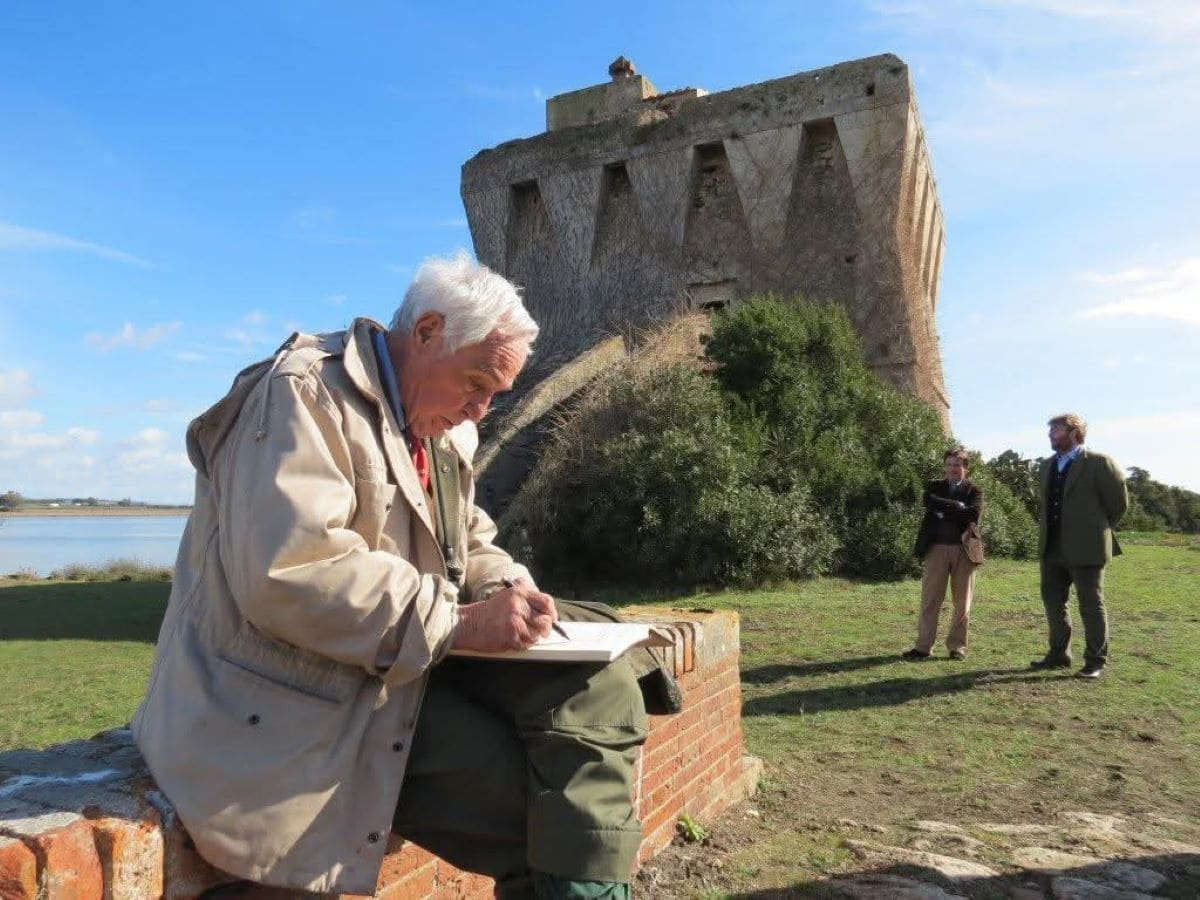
(429, 329)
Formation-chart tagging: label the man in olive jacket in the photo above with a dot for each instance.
(1083, 497)
(301, 705)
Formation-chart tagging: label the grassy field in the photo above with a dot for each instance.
(846, 729)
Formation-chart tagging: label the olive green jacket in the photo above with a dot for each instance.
(1094, 500)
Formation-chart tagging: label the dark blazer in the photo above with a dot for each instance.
(1094, 499)
(937, 499)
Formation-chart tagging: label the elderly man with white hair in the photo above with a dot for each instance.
(301, 706)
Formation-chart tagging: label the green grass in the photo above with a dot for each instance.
(843, 725)
(833, 711)
(73, 656)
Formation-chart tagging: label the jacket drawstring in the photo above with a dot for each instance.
(261, 431)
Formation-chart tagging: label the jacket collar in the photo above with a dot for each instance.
(1074, 470)
(363, 370)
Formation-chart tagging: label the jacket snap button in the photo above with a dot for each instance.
(253, 718)
(398, 746)
(373, 837)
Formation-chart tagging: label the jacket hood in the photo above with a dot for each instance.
(208, 430)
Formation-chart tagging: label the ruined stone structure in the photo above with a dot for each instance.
(635, 203)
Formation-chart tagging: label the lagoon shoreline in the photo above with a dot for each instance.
(64, 511)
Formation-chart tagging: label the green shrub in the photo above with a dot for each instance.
(649, 480)
(113, 570)
(881, 542)
(792, 458)
(1008, 529)
(859, 446)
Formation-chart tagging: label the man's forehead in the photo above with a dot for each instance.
(498, 360)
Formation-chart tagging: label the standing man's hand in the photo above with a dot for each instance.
(514, 618)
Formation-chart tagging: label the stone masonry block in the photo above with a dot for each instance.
(68, 865)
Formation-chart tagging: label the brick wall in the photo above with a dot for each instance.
(84, 821)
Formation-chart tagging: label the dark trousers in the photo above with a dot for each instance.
(521, 767)
(1057, 578)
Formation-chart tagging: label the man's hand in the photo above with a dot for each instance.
(513, 618)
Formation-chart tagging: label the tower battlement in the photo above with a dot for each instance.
(635, 203)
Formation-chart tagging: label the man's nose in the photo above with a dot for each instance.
(477, 409)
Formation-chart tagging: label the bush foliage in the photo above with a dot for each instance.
(792, 458)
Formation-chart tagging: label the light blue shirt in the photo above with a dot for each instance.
(1064, 458)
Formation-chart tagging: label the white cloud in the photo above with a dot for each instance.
(189, 356)
(149, 464)
(1038, 93)
(21, 419)
(83, 435)
(244, 338)
(1172, 295)
(16, 386)
(18, 444)
(16, 237)
(1125, 276)
(336, 299)
(254, 317)
(131, 337)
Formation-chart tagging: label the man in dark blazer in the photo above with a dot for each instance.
(1083, 497)
(952, 506)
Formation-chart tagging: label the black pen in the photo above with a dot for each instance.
(558, 629)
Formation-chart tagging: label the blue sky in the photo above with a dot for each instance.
(182, 185)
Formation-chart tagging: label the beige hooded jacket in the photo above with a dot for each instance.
(310, 600)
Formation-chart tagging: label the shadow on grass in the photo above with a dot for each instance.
(1176, 871)
(94, 611)
(779, 671)
(889, 692)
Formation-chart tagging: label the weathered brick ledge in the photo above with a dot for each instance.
(84, 821)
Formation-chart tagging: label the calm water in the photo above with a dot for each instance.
(45, 543)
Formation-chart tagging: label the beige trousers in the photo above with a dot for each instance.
(945, 562)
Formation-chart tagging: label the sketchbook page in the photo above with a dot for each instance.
(585, 642)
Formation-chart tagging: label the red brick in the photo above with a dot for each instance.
(417, 885)
(454, 884)
(402, 858)
(18, 870)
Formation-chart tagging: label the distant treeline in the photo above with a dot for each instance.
(16, 500)
(1153, 506)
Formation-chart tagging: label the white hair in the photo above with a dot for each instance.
(473, 300)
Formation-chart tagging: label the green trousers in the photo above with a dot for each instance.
(524, 772)
(1057, 578)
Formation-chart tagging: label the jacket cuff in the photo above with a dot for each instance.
(428, 634)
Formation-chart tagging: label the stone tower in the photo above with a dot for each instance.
(636, 203)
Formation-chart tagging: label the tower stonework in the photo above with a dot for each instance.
(634, 204)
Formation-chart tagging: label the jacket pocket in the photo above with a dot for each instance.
(373, 503)
(292, 668)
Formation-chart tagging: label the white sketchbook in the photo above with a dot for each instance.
(584, 642)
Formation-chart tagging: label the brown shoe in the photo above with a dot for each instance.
(914, 655)
(958, 654)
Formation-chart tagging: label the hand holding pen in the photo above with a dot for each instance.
(555, 626)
